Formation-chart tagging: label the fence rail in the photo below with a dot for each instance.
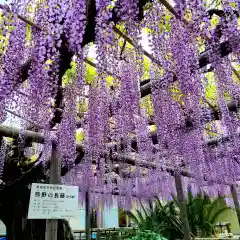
(101, 233)
(106, 233)
(117, 234)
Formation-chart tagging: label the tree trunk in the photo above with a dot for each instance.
(14, 215)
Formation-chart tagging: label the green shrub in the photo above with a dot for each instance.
(147, 235)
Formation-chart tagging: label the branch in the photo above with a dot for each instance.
(225, 49)
(13, 190)
(130, 41)
(23, 118)
(214, 113)
(27, 21)
(169, 8)
(236, 73)
(220, 13)
(122, 49)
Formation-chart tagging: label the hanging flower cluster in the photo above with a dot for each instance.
(67, 128)
(115, 126)
(75, 23)
(2, 155)
(128, 10)
(12, 61)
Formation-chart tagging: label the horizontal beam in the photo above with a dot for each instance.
(204, 59)
(12, 132)
(210, 142)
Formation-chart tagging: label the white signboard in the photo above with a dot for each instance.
(48, 201)
(78, 222)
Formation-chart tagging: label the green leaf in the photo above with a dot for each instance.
(211, 89)
(34, 157)
(79, 136)
(109, 81)
(146, 104)
(146, 68)
(168, 27)
(133, 218)
(70, 74)
(214, 21)
(28, 34)
(143, 208)
(90, 74)
(219, 212)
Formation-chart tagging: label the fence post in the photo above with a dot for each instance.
(235, 201)
(182, 206)
(98, 234)
(87, 217)
(55, 178)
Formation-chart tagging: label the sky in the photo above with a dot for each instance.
(144, 42)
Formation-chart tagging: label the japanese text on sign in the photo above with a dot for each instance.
(48, 201)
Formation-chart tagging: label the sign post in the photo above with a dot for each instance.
(53, 201)
(87, 221)
(55, 178)
(182, 206)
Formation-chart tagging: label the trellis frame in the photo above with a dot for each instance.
(55, 169)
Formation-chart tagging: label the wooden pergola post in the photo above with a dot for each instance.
(87, 217)
(182, 206)
(235, 201)
(55, 178)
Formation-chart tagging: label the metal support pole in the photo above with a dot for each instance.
(235, 201)
(87, 220)
(55, 178)
(182, 206)
(99, 218)
(98, 234)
